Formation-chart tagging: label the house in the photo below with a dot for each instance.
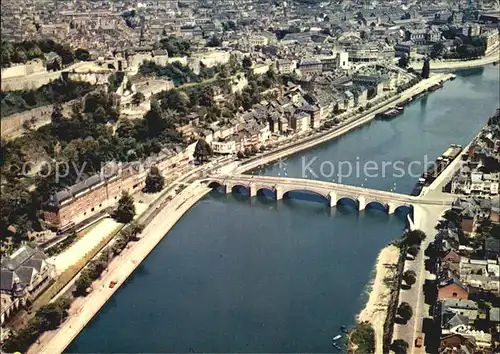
(285, 66)
(451, 320)
(491, 248)
(467, 308)
(300, 122)
(495, 317)
(451, 256)
(310, 67)
(369, 80)
(25, 273)
(452, 288)
(315, 114)
(53, 61)
(455, 343)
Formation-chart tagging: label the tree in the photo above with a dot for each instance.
(363, 337)
(202, 150)
(83, 283)
(437, 50)
(413, 250)
(414, 237)
(240, 155)
(409, 277)
(125, 211)
(405, 311)
(247, 62)
(403, 61)
(50, 316)
(399, 346)
(154, 181)
(426, 69)
(452, 217)
(138, 98)
(56, 117)
(136, 228)
(254, 149)
(214, 41)
(82, 54)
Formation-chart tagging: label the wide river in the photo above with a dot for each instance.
(236, 275)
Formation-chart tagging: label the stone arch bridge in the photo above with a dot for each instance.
(331, 192)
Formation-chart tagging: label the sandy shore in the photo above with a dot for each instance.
(375, 310)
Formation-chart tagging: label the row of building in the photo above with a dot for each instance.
(467, 311)
(479, 174)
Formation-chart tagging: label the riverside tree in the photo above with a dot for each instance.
(413, 250)
(399, 346)
(405, 312)
(52, 315)
(409, 277)
(154, 181)
(202, 151)
(125, 211)
(426, 69)
(414, 237)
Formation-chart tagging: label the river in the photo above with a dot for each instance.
(236, 275)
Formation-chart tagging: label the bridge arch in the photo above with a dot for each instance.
(404, 209)
(239, 188)
(306, 194)
(214, 184)
(266, 191)
(348, 200)
(378, 205)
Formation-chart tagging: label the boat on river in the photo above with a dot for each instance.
(344, 329)
(336, 346)
(337, 337)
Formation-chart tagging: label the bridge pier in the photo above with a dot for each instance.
(279, 192)
(361, 203)
(252, 190)
(228, 188)
(391, 208)
(332, 199)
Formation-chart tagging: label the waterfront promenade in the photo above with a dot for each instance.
(84, 309)
(491, 57)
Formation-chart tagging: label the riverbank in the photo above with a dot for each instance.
(375, 310)
(84, 309)
(319, 138)
(491, 58)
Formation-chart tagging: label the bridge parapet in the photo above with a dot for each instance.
(332, 192)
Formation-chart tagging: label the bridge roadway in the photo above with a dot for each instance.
(332, 192)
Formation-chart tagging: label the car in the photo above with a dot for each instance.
(112, 284)
(419, 341)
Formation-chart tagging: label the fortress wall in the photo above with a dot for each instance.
(13, 124)
(29, 82)
(35, 66)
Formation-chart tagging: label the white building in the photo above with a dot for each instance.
(224, 147)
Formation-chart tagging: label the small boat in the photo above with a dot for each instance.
(336, 346)
(344, 329)
(337, 337)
